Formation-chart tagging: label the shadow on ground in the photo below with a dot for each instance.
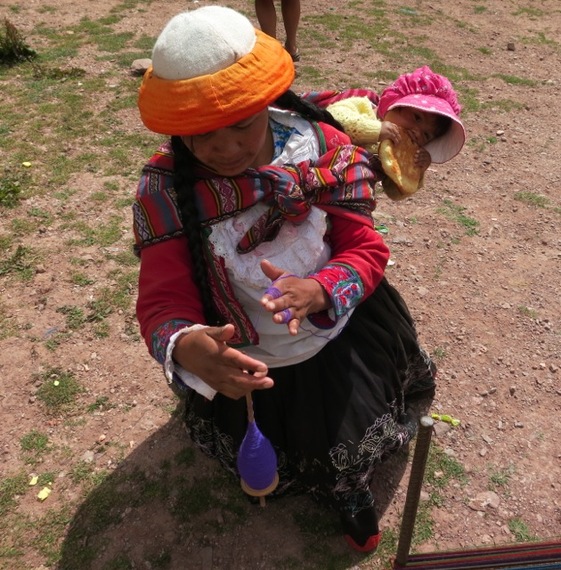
(167, 506)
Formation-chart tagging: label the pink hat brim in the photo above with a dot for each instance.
(446, 147)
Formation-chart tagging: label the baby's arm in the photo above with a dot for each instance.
(358, 117)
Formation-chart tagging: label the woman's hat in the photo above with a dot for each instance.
(210, 69)
(427, 91)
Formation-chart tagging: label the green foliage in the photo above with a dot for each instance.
(456, 213)
(10, 488)
(532, 199)
(499, 478)
(441, 469)
(520, 530)
(13, 48)
(528, 312)
(58, 390)
(514, 80)
(75, 317)
(12, 185)
(34, 441)
(19, 263)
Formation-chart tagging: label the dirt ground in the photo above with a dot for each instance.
(487, 305)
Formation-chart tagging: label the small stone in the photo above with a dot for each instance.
(88, 457)
(139, 66)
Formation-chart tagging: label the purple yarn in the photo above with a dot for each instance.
(273, 292)
(257, 460)
(286, 315)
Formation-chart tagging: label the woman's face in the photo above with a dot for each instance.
(422, 126)
(231, 150)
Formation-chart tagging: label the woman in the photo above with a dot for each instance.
(261, 271)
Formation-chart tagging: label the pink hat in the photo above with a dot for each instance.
(427, 91)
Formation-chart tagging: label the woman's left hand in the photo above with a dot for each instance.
(291, 298)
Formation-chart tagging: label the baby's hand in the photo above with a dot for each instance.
(422, 158)
(389, 131)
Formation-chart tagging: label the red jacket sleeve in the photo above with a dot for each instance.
(361, 247)
(168, 298)
(358, 260)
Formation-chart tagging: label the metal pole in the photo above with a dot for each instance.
(414, 489)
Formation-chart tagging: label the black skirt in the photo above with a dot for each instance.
(333, 418)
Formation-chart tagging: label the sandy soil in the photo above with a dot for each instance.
(487, 306)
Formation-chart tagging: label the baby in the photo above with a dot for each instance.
(423, 103)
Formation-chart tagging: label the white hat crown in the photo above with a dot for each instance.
(179, 54)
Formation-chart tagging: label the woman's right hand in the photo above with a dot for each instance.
(225, 369)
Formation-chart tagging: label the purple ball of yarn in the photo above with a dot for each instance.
(257, 460)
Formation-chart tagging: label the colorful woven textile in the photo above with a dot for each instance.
(535, 555)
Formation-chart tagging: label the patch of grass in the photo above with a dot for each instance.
(102, 234)
(34, 441)
(500, 477)
(310, 521)
(57, 73)
(456, 213)
(514, 80)
(100, 32)
(540, 39)
(101, 403)
(75, 317)
(186, 457)
(505, 105)
(532, 199)
(441, 469)
(439, 353)
(469, 98)
(10, 488)
(81, 279)
(48, 532)
(13, 48)
(521, 531)
(528, 312)
(58, 390)
(12, 184)
(530, 11)
(83, 472)
(8, 326)
(424, 524)
(19, 264)
(56, 339)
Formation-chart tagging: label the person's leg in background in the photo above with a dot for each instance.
(267, 16)
(291, 18)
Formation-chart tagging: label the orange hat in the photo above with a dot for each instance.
(210, 69)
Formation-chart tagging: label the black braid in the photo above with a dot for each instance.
(184, 180)
(293, 102)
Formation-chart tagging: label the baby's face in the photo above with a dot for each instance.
(422, 126)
